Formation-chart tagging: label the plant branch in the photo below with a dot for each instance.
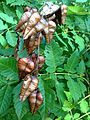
(83, 116)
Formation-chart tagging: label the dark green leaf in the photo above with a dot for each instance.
(5, 98)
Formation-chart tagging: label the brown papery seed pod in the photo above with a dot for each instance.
(33, 42)
(35, 100)
(25, 86)
(25, 64)
(23, 19)
(33, 84)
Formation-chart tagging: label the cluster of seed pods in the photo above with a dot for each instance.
(34, 25)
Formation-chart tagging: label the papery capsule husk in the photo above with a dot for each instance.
(25, 86)
(25, 64)
(33, 43)
(23, 19)
(35, 99)
(32, 85)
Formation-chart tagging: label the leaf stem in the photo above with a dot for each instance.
(7, 29)
(83, 116)
(66, 74)
(84, 98)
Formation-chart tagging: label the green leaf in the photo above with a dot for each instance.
(73, 88)
(68, 117)
(5, 98)
(84, 107)
(76, 115)
(7, 52)
(21, 108)
(80, 41)
(10, 1)
(77, 10)
(72, 62)
(11, 38)
(81, 0)
(60, 92)
(2, 41)
(30, 116)
(81, 86)
(10, 11)
(7, 18)
(8, 69)
(58, 38)
(81, 68)
(3, 26)
(67, 106)
(68, 95)
(53, 56)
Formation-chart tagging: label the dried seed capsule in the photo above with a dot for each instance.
(23, 19)
(35, 100)
(29, 32)
(25, 64)
(25, 86)
(32, 85)
(33, 42)
(35, 18)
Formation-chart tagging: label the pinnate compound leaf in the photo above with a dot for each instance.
(21, 108)
(53, 56)
(2, 41)
(5, 98)
(8, 68)
(72, 62)
(7, 18)
(84, 106)
(11, 38)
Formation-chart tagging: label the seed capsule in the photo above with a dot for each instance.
(35, 100)
(25, 64)
(23, 19)
(28, 87)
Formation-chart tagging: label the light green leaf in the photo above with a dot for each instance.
(2, 41)
(73, 88)
(53, 56)
(5, 99)
(72, 62)
(11, 38)
(84, 107)
(7, 18)
(81, 0)
(67, 106)
(68, 117)
(2, 26)
(80, 41)
(76, 115)
(77, 10)
(68, 95)
(81, 68)
(8, 69)
(21, 108)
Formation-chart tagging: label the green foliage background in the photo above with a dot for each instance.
(65, 77)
